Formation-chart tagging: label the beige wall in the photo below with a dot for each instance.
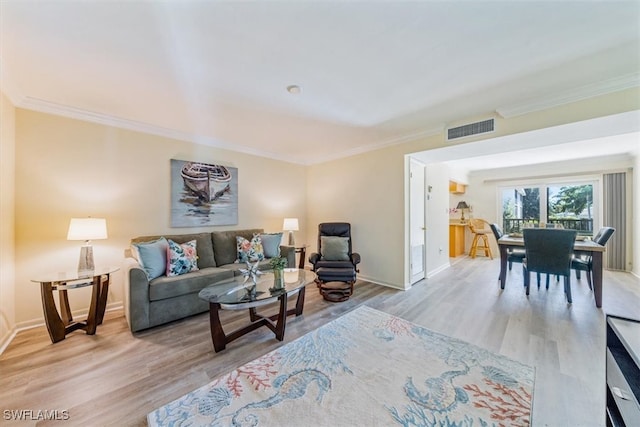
(69, 168)
(7, 204)
(367, 191)
(370, 190)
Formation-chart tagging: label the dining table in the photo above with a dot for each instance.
(581, 247)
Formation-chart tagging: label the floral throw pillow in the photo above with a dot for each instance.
(181, 258)
(250, 250)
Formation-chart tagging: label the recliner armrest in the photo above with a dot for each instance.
(355, 258)
(314, 258)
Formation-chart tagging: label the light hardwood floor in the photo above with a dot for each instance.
(115, 378)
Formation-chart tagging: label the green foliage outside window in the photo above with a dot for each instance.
(571, 200)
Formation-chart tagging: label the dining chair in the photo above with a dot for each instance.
(584, 262)
(513, 255)
(548, 251)
(480, 239)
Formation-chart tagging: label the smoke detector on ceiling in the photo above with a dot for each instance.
(294, 89)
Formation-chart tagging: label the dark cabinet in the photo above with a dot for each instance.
(623, 371)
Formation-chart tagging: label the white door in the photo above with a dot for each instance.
(417, 220)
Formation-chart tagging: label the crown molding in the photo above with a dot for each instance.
(43, 106)
(383, 144)
(605, 87)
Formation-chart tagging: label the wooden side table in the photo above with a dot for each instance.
(302, 250)
(59, 324)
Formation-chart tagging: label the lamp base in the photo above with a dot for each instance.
(85, 264)
(292, 240)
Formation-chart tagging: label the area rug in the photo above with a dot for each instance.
(366, 368)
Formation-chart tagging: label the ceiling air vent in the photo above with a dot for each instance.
(484, 126)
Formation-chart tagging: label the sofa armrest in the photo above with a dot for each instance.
(288, 252)
(136, 295)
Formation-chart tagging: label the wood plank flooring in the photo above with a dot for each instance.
(115, 378)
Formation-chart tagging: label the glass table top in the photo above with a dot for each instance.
(237, 291)
(70, 276)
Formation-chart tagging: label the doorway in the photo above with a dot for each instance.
(417, 220)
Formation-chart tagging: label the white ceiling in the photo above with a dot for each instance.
(604, 148)
(372, 73)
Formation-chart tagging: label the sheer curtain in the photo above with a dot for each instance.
(615, 215)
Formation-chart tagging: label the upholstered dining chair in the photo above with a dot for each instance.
(335, 261)
(480, 237)
(513, 255)
(548, 251)
(584, 262)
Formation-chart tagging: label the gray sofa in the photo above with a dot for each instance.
(164, 299)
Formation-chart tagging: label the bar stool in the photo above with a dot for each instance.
(480, 237)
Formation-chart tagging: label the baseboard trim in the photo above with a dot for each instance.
(377, 282)
(6, 340)
(35, 323)
(438, 270)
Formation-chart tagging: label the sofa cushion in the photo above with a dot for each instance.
(225, 244)
(271, 244)
(152, 256)
(204, 246)
(334, 264)
(181, 258)
(168, 287)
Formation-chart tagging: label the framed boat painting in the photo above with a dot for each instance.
(203, 194)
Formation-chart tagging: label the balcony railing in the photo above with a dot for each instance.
(583, 226)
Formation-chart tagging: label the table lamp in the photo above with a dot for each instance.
(87, 229)
(290, 225)
(462, 205)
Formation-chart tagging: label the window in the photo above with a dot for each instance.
(570, 205)
(520, 208)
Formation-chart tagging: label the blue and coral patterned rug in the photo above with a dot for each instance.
(366, 368)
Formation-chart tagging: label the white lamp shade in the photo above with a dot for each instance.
(290, 224)
(87, 229)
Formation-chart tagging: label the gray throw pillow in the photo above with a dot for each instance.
(271, 244)
(153, 257)
(334, 248)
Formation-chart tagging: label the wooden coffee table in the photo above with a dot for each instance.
(242, 296)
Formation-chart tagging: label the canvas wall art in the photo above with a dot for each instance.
(203, 194)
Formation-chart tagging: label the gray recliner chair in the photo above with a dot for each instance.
(335, 263)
